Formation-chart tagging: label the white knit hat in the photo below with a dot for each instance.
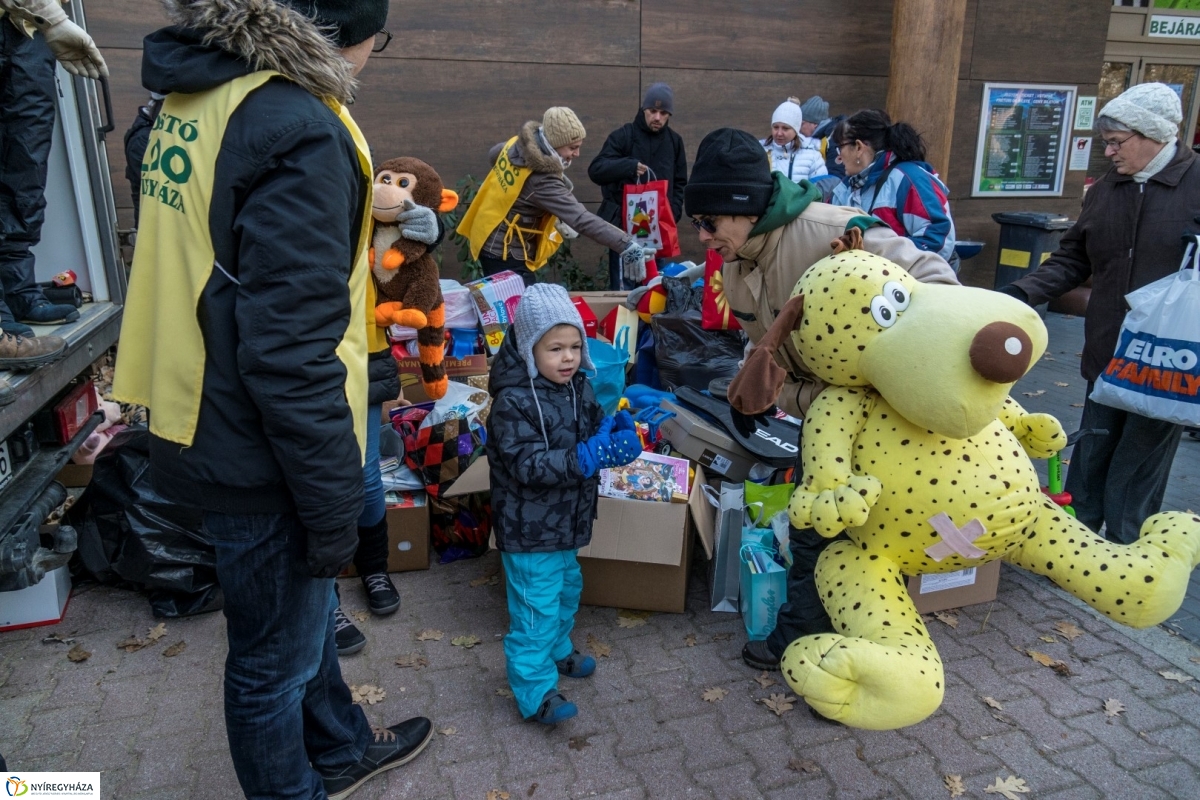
(541, 307)
(561, 127)
(789, 114)
(1151, 109)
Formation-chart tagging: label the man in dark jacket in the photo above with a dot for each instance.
(1128, 235)
(245, 335)
(642, 150)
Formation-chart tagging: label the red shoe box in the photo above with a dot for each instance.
(72, 411)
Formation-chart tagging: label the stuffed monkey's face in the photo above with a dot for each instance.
(391, 190)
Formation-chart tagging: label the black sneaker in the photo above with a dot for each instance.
(348, 637)
(392, 747)
(43, 312)
(382, 597)
(759, 656)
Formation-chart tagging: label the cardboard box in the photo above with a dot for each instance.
(457, 369)
(587, 315)
(602, 303)
(705, 443)
(408, 536)
(75, 475)
(640, 552)
(955, 589)
(41, 604)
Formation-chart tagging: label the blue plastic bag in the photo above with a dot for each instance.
(608, 379)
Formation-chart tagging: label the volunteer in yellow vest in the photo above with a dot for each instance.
(245, 333)
(525, 204)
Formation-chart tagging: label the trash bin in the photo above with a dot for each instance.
(1027, 238)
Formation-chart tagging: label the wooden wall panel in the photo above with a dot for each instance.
(1042, 41)
(849, 37)
(124, 23)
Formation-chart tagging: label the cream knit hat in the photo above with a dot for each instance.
(560, 126)
(1151, 109)
(788, 112)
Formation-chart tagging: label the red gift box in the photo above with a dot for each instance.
(72, 411)
(587, 315)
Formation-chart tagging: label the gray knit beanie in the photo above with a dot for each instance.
(543, 306)
(815, 109)
(1151, 109)
(659, 96)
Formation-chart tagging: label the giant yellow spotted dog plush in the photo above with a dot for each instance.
(917, 452)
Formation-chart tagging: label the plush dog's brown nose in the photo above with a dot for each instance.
(1001, 352)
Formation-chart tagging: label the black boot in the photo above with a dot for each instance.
(371, 562)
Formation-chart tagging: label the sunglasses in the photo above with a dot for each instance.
(703, 224)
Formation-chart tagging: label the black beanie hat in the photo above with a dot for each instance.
(352, 21)
(731, 176)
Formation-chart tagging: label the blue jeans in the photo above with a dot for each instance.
(543, 596)
(373, 505)
(286, 705)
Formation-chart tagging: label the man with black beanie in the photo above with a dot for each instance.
(769, 230)
(245, 334)
(641, 150)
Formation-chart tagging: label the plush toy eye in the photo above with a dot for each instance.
(896, 294)
(385, 179)
(404, 183)
(882, 312)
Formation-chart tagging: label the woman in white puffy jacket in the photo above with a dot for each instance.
(785, 145)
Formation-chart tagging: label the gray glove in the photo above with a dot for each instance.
(633, 261)
(418, 223)
(71, 45)
(565, 230)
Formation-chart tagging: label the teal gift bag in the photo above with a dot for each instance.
(764, 590)
(608, 379)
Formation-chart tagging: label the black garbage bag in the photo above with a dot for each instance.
(688, 355)
(129, 535)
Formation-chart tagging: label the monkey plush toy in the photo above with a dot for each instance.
(405, 273)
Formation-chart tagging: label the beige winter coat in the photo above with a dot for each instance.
(760, 282)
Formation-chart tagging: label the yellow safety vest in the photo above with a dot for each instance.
(160, 362)
(490, 209)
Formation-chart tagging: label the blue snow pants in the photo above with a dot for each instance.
(543, 596)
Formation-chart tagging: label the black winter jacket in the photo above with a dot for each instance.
(541, 502)
(616, 165)
(275, 432)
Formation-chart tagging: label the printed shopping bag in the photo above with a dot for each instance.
(648, 216)
(440, 453)
(727, 533)
(715, 313)
(608, 379)
(764, 590)
(1154, 371)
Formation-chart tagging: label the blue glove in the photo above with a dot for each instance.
(606, 426)
(623, 421)
(607, 450)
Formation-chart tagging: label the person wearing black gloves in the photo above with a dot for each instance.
(638, 151)
(245, 334)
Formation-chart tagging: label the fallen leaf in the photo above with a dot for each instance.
(157, 632)
(947, 618)
(632, 619)
(504, 692)
(465, 642)
(1060, 383)
(413, 660)
(598, 648)
(497, 794)
(1113, 707)
(1076, 405)
(1038, 393)
(714, 694)
(175, 649)
(447, 731)
(1000, 716)
(57, 638)
(805, 765)
(78, 654)
(1195, 659)
(485, 580)
(578, 742)
(690, 640)
(1049, 639)
(1060, 667)
(1176, 676)
(1069, 630)
(991, 701)
(1049, 358)
(361, 616)
(1079, 355)
(430, 634)
(532, 789)
(954, 785)
(764, 680)
(722, 637)
(859, 754)
(1010, 787)
(779, 703)
(132, 644)
(367, 694)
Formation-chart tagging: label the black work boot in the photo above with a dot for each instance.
(759, 656)
(392, 747)
(22, 353)
(7, 395)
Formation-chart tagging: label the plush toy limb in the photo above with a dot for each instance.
(392, 259)
(1041, 435)
(385, 313)
(431, 347)
(1139, 584)
(882, 671)
(832, 498)
(410, 318)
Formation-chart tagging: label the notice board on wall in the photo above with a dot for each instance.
(1023, 140)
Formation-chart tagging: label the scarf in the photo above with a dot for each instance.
(1157, 163)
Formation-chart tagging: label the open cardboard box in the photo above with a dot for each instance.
(457, 369)
(408, 536)
(640, 552)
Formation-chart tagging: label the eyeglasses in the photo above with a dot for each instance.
(1116, 146)
(382, 40)
(703, 224)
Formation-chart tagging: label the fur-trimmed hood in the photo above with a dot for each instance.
(533, 154)
(215, 41)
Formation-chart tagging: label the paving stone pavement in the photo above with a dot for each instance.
(154, 726)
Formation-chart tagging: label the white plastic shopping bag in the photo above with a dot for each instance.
(1155, 370)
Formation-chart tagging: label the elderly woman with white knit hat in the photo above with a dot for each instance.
(1128, 235)
(785, 146)
(525, 204)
